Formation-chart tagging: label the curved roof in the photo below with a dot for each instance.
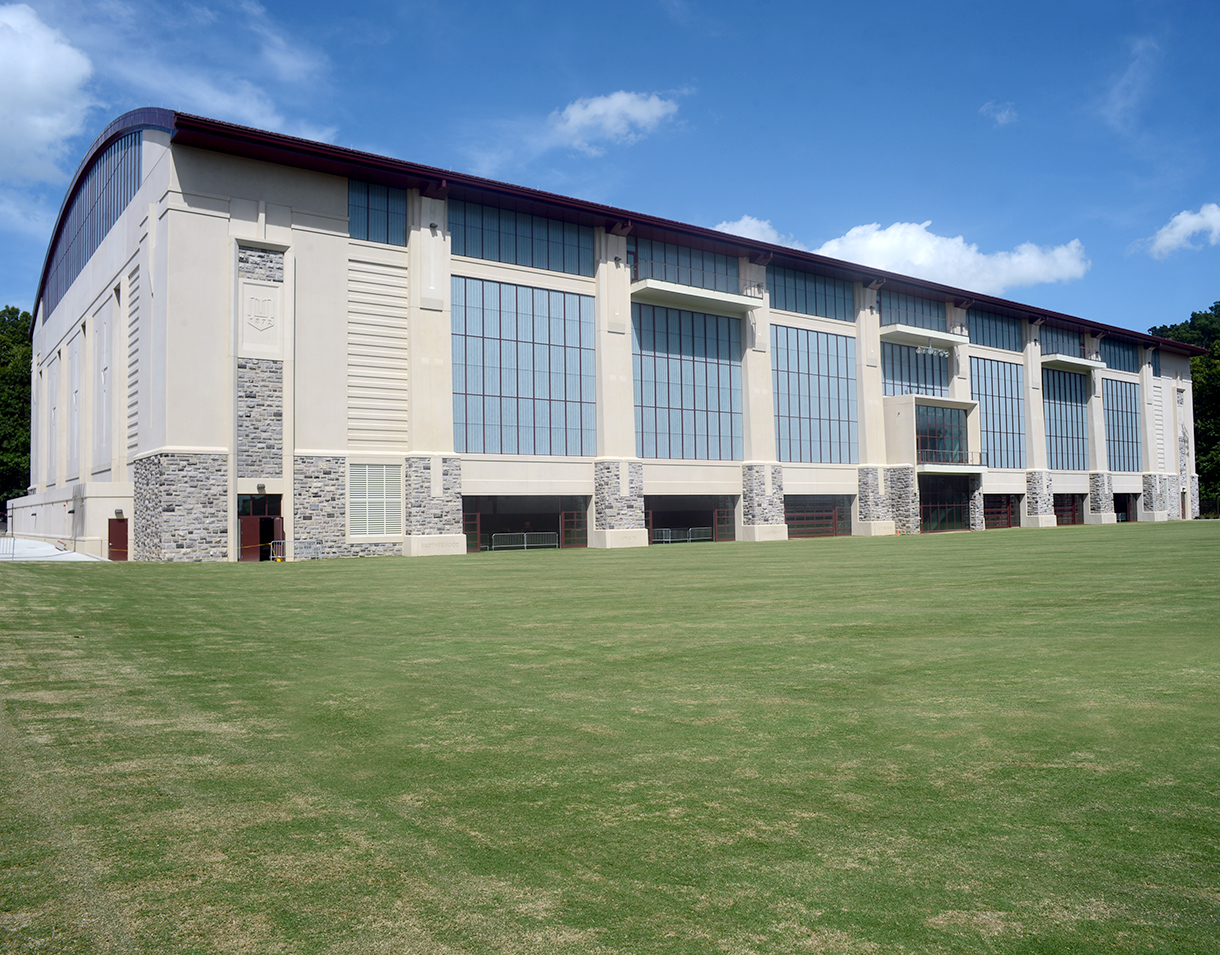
(198, 131)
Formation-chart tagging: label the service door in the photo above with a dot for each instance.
(117, 538)
(249, 534)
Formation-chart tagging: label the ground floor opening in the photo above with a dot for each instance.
(817, 515)
(1126, 507)
(690, 518)
(1069, 509)
(1001, 510)
(944, 503)
(260, 526)
(506, 522)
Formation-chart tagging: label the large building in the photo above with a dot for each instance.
(242, 338)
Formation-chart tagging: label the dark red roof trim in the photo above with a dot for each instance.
(204, 133)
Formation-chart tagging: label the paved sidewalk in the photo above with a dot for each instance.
(23, 549)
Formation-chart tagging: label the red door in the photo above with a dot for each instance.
(249, 535)
(117, 535)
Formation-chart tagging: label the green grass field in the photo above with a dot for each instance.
(1000, 742)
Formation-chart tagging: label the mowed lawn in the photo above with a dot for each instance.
(999, 742)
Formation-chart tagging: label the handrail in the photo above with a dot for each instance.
(524, 541)
(948, 456)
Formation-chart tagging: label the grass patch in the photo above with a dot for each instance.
(959, 743)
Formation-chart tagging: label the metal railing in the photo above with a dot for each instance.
(681, 535)
(948, 456)
(524, 541)
(277, 550)
(306, 550)
(696, 278)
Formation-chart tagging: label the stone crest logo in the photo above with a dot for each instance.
(260, 313)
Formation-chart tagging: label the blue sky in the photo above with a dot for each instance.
(1061, 154)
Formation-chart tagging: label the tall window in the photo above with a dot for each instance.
(914, 371)
(940, 435)
(1059, 341)
(1065, 400)
(809, 294)
(107, 188)
(374, 499)
(376, 213)
(1121, 400)
(523, 370)
(898, 308)
(687, 369)
(995, 331)
(1120, 355)
(667, 262)
(518, 238)
(814, 385)
(998, 387)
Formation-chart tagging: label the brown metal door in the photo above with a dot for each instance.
(117, 536)
(249, 535)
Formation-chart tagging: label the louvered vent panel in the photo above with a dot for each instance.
(376, 355)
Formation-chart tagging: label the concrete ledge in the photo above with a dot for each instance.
(873, 529)
(629, 537)
(763, 532)
(1039, 520)
(1091, 518)
(432, 545)
(1152, 516)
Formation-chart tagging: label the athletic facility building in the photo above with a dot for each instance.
(249, 345)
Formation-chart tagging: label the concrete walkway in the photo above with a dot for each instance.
(23, 549)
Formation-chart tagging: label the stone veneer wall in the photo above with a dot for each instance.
(978, 519)
(873, 504)
(260, 418)
(428, 515)
(1173, 497)
(1039, 493)
(1101, 492)
(319, 511)
(902, 491)
(181, 507)
(757, 506)
(1154, 493)
(614, 511)
(264, 264)
(1185, 479)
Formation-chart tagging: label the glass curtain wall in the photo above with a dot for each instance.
(667, 262)
(1121, 400)
(518, 238)
(940, 435)
(809, 294)
(376, 213)
(813, 376)
(523, 370)
(995, 331)
(103, 195)
(1059, 341)
(687, 370)
(913, 371)
(898, 308)
(999, 388)
(1065, 400)
(1120, 355)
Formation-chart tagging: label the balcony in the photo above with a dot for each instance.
(1067, 352)
(676, 286)
(913, 328)
(934, 434)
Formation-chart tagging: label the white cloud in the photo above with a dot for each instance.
(1178, 231)
(1001, 113)
(909, 248)
(620, 117)
(760, 229)
(1127, 91)
(43, 100)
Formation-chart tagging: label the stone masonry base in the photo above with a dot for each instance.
(181, 507)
